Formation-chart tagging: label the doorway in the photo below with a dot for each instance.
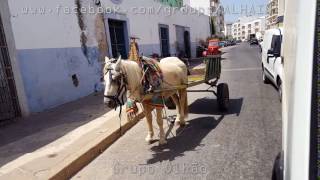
(187, 44)
(164, 40)
(183, 48)
(9, 105)
(118, 38)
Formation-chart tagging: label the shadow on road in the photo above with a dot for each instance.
(189, 139)
(210, 106)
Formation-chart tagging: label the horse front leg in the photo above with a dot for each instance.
(160, 124)
(148, 115)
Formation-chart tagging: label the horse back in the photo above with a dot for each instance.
(174, 70)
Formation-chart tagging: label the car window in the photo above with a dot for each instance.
(276, 43)
(213, 43)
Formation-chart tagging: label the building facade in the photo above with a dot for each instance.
(272, 14)
(275, 13)
(212, 8)
(217, 17)
(228, 30)
(57, 48)
(281, 7)
(246, 26)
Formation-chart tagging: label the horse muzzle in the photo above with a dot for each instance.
(110, 102)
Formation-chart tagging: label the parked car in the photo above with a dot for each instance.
(222, 43)
(230, 43)
(213, 48)
(261, 45)
(254, 41)
(272, 65)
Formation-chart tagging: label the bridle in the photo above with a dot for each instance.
(121, 81)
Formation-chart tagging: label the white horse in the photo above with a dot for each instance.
(123, 75)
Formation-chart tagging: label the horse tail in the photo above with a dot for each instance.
(184, 102)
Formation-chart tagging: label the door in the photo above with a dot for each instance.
(164, 40)
(270, 43)
(187, 44)
(275, 59)
(180, 46)
(9, 106)
(118, 38)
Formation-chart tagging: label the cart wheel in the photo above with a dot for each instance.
(223, 96)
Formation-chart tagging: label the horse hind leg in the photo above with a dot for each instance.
(176, 101)
(183, 98)
(162, 139)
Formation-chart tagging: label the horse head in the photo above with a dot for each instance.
(115, 93)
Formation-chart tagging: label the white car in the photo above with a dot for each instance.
(272, 65)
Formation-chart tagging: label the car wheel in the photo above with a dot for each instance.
(264, 77)
(280, 90)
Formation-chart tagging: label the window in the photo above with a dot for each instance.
(118, 38)
(276, 44)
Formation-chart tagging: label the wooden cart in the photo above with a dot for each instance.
(210, 74)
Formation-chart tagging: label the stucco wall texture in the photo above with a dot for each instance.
(56, 47)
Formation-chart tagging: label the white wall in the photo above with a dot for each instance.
(5, 16)
(49, 52)
(228, 29)
(50, 47)
(246, 21)
(146, 27)
(298, 52)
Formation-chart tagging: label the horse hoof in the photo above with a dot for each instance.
(162, 142)
(149, 139)
(179, 123)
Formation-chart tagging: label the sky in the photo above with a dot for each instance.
(237, 8)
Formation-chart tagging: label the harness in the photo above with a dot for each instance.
(122, 88)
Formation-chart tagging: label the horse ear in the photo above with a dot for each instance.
(118, 63)
(106, 59)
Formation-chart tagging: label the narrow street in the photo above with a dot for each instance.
(240, 144)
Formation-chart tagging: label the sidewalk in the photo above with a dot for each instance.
(57, 143)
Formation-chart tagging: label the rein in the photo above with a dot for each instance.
(122, 88)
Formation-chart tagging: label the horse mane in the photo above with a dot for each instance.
(133, 73)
